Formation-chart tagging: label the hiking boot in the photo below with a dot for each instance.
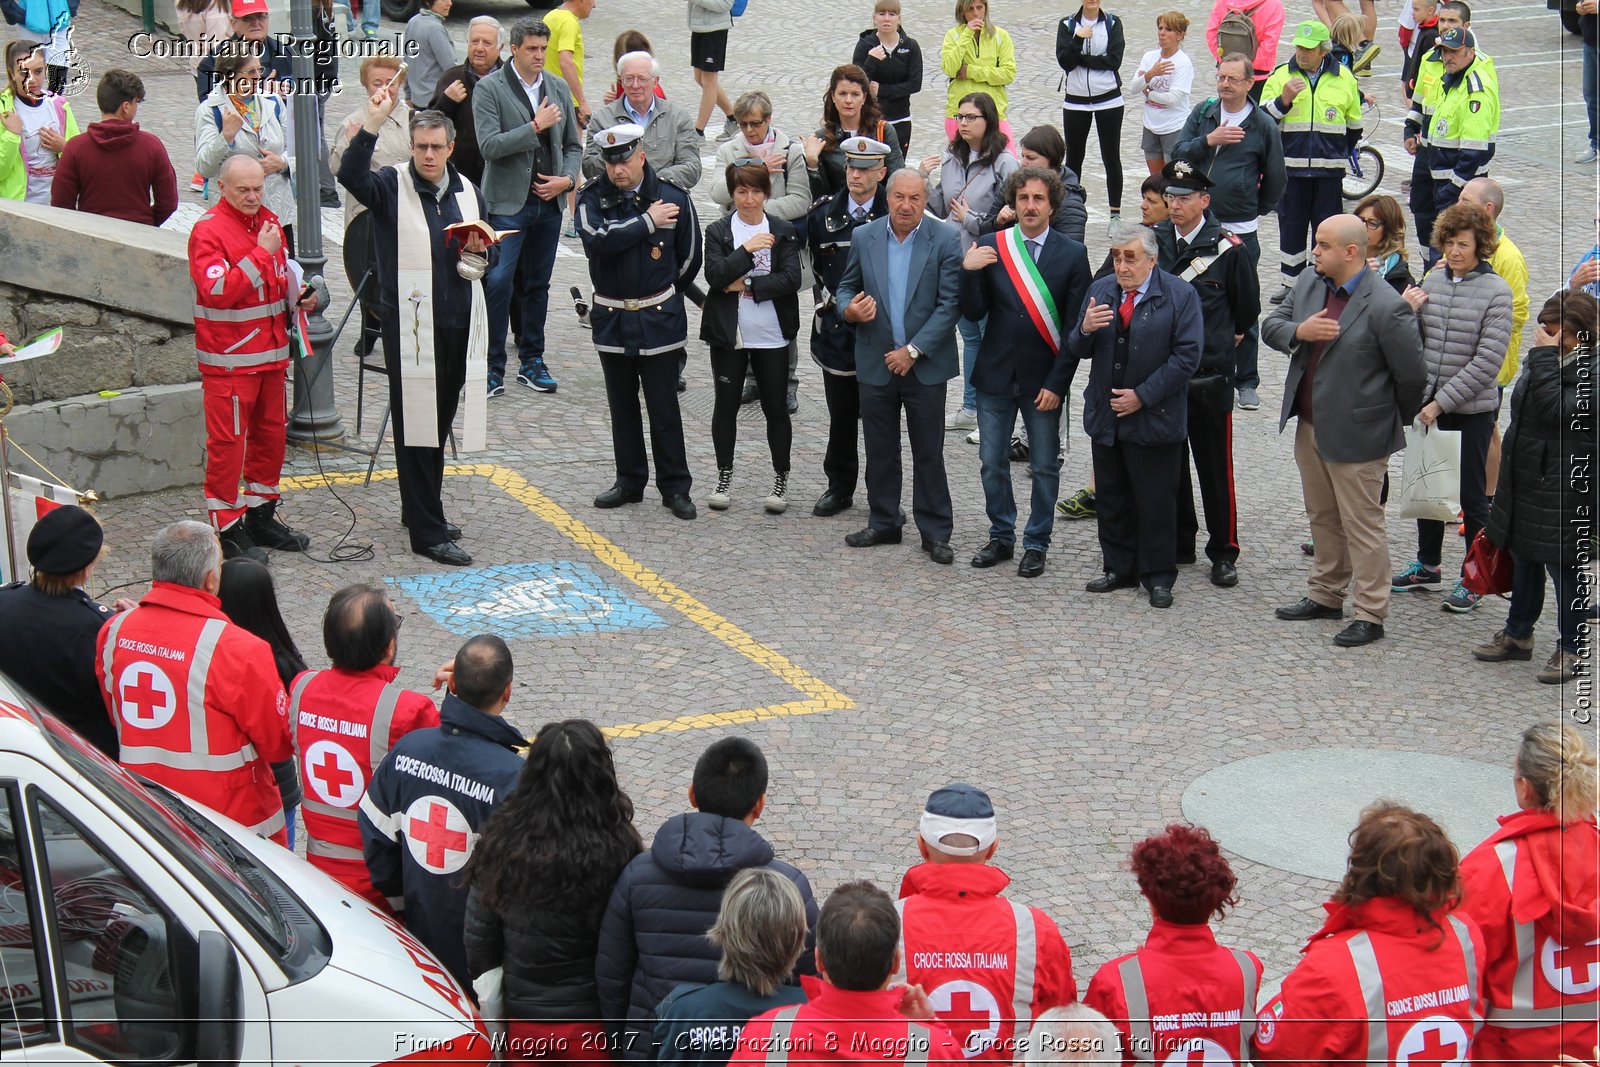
(1502, 646)
(1416, 576)
(1562, 666)
(719, 499)
(236, 543)
(267, 530)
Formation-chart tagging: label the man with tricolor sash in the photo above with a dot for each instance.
(1193, 245)
(1030, 280)
(431, 305)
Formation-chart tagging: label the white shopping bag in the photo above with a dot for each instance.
(492, 1006)
(1430, 487)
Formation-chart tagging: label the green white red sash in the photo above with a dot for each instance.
(1035, 294)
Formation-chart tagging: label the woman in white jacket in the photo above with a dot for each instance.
(1164, 80)
(237, 117)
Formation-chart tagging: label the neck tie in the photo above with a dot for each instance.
(1126, 310)
(860, 214)
(1034, 248)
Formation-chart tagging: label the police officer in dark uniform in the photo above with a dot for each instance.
(48, 625)
(833, 219)
(1195, 247)
(643, 242)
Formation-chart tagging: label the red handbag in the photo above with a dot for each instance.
(1487, 570)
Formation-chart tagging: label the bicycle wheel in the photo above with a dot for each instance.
(1364, 174)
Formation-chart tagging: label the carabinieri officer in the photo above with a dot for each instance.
(643, 242)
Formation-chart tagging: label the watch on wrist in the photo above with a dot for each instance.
(916, 353)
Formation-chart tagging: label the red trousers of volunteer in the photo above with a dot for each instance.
(245, 431)
(529, 1041)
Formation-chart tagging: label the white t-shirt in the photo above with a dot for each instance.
(1085, 82)
(1236, 118)
(36, 117)
(1165, 117)
(758, 319)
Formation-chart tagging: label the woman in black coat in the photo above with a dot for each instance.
(893, 62)
(1545, 505)
(539, 880)
(751, 314)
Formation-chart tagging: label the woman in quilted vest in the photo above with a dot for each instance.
(1465, 311)
(1545, 506)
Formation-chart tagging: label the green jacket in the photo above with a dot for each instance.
(13, 169)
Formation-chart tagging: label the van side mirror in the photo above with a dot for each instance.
(219, 1037)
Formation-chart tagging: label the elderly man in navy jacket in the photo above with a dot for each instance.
(1022, 277)
(1143, 332)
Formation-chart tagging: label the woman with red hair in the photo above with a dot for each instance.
(1182, 990)
(1395, 975)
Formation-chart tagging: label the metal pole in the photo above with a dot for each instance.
(315, 417)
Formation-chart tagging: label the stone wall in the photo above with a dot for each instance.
(117, 409)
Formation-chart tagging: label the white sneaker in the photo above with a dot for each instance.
(972, 438)
(720, 497)
(1588, 155)
(961, 419)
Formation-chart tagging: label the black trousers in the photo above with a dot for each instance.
(880, 430)
(1135, 499)
(357, 261)
(902, 130)
(1475, 433)
(1306, 204)
(421, 470)
(657, 376)
(1108, 127)
(792, 357)
(768, 366)
(842, 461)
(1211, 444)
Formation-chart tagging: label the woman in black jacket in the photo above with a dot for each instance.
(539, 880)
(1089, 48)
(1386, 240)
(751, 314)
(1545, 505)
(848, 109)
(893, 62)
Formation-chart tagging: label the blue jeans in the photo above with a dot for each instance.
(1246, 354)
(1527, 601)
(370, 10)
(971, 341)
(1591, 91)
(997, 415)
(538, 227)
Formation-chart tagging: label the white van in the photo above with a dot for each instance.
(137, 927)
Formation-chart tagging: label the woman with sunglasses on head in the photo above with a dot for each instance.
(751, 317)
(237, 117)
(964, 187)
(848, 109)
(1386, 240)
(893, 62)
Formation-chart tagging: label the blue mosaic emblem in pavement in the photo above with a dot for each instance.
(522, 600)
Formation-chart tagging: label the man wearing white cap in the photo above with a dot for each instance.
(990, 965)
(643, 242)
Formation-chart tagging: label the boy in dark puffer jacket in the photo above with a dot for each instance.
(653, 936)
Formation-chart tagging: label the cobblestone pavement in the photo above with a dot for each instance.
(1085, 717)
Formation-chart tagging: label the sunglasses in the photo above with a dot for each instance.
(750, 161)
(752, 124)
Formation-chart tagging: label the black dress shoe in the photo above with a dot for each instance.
(1358, 633)
(451, 530)
(1184, 559)
(993, 553)
(680, 505)
(831, 503)
(1224, 574)
(1110, 580)
(1160, 596)
(447, 552)
(617, 496)
(1032, 564)
(1306, 608)
(939, 551)
(872, 536)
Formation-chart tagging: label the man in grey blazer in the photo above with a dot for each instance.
(1355, 380)
(901, 287)
(531, 143)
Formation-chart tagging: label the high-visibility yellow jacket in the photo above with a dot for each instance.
(1322, 124)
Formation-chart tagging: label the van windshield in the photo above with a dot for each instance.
(231, 872)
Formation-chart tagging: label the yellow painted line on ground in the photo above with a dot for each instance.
(820, 696)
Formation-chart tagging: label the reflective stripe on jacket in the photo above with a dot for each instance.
(197, 704)
(1464, 125)
(241, 293)
(1322, 123)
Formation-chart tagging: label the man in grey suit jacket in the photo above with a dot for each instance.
(1355, 380)
(531, 143)
(901, 287)
(670, 141)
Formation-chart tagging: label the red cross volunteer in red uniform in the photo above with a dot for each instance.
(241, 336)
(1181, 998)
(990, 965)
(196, 700)
(1532, 888)
(345, 721)
(853, 1014)
(1395, 975)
